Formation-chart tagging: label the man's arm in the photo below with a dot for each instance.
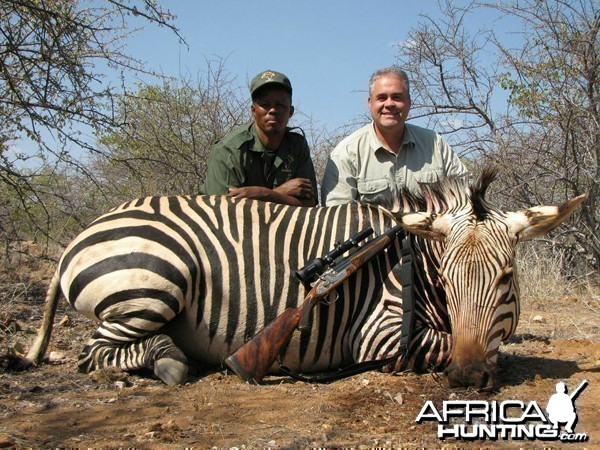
(339, 183)
(221, 173)
(453, 165)
(295, 192)
(302, 189)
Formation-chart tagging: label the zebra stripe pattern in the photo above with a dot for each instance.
(177, 278)
(176, 261)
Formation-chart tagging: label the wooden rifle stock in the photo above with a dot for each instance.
(253, 359)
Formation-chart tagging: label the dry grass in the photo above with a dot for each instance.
(542, 273)
(547, 296)
(24, 278)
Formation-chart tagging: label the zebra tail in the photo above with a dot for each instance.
(37, 350)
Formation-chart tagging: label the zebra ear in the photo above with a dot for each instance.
(539, 220)
(425, 224)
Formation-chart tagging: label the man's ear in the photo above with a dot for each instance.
(253, 110)
(292, 110)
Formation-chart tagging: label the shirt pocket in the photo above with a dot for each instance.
(375, 191)
(428, 176)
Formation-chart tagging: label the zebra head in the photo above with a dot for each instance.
(477, 269)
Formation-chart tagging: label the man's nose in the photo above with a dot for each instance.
(389, 103)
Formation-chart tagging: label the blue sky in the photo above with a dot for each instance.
(327, 48)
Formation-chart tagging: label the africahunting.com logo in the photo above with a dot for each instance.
(509, 419)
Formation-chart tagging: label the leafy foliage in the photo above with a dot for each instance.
(52, 94)
(168, 131)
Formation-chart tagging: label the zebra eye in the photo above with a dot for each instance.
(506, 276)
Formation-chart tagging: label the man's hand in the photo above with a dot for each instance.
(253, 192)
(301, 188)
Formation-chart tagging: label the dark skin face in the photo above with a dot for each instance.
(272, 109)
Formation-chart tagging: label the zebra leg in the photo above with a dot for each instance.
(109, 346)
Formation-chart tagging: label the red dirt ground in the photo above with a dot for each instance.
(55, 406)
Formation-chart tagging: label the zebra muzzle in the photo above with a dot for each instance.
(475, 374)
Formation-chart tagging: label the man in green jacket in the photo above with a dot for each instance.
(264, 160)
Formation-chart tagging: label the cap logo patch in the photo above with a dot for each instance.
(268, 75)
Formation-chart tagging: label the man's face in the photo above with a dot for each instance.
(272, 109)
(389, 103)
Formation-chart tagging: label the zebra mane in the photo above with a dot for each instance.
(481, 208)
(451, 195)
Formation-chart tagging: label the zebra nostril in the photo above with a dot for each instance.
(488, 382)
(476, 375)
(453, 376)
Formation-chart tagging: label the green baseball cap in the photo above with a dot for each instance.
(270, 77)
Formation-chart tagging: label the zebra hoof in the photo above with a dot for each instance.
(171, 371)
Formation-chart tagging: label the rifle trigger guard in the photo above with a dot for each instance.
(326, 302)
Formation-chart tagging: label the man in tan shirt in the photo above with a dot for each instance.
(374, 163)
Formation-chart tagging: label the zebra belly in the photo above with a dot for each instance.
(323, 348)
(197, 341)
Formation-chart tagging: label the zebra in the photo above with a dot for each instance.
(191, 278)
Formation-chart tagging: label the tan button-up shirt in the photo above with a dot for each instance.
(361, 168)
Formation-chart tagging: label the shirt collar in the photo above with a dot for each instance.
(258, 146)
(408, 140)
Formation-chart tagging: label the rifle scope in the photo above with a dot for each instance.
(318, 265)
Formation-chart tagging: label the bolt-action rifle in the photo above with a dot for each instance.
(254, 358)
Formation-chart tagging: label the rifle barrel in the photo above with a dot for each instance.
(578, 389)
